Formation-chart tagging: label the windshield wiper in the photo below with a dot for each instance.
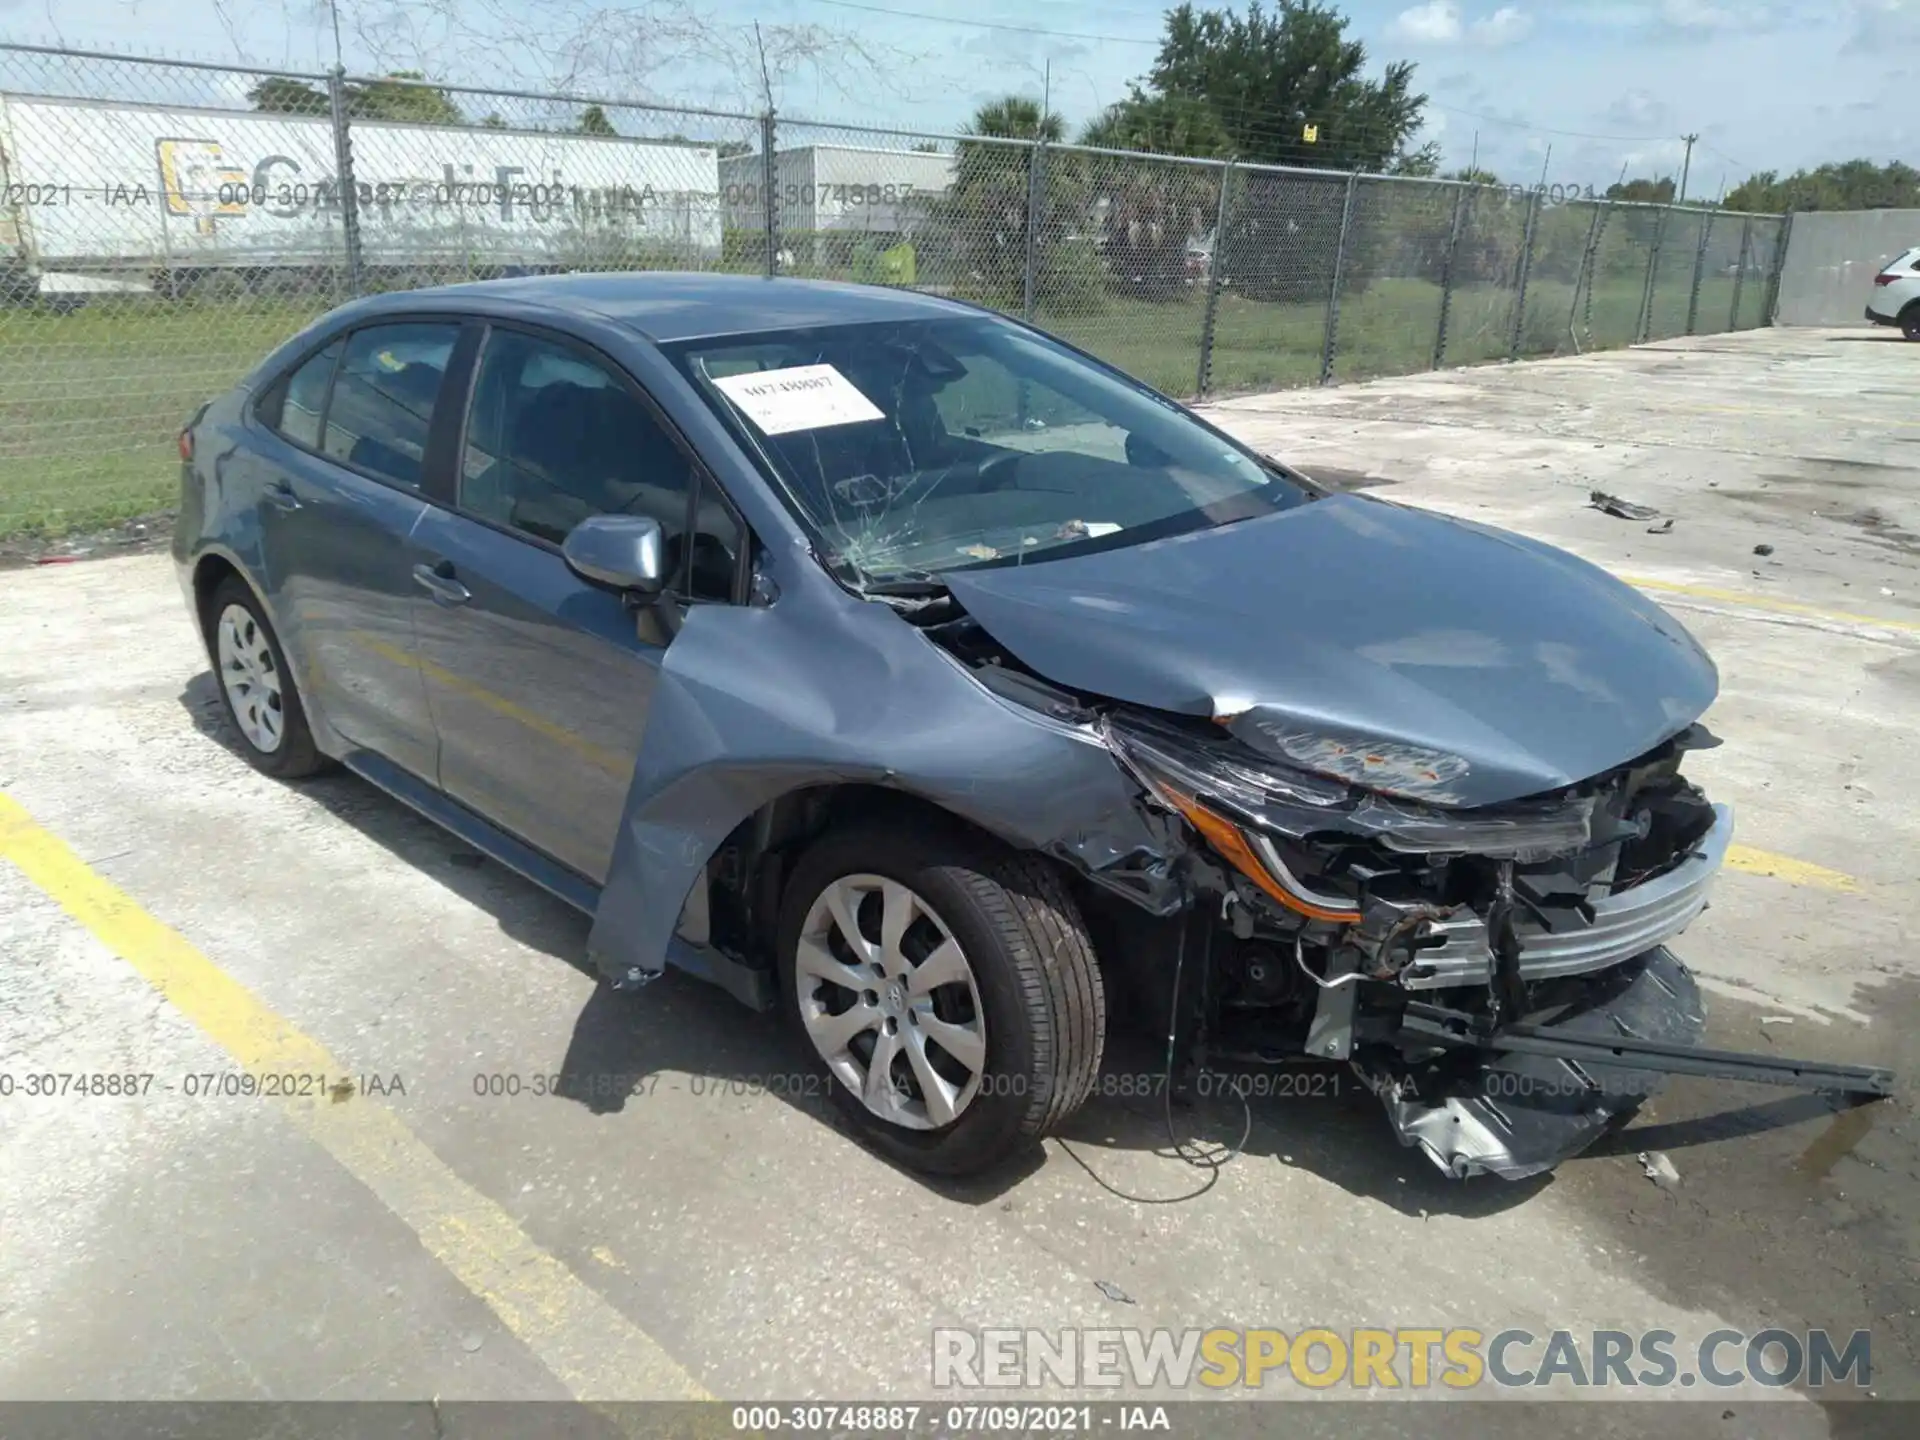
(913, 587)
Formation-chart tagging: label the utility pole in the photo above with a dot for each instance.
(1685, 166)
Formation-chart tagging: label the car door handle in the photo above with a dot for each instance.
(438, 581)
(280, 495)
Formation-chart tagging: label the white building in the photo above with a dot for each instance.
(840, 188)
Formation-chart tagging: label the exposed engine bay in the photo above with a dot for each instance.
(1497, 975)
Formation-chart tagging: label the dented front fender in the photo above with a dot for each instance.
(756, 702)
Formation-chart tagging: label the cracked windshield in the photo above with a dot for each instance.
(921, 447)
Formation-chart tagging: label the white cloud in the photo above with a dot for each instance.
(1880, 25)
(1638, 110)
(1435, 23)
(1706, 17)
(1505, 26)
(1441, 22)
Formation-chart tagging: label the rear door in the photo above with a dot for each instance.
(540, 682)
(350, 435)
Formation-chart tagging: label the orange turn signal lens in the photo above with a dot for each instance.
(1226, 838)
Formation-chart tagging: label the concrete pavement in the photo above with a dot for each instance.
(712, 1232)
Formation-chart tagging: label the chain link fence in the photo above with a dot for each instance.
(164, 223)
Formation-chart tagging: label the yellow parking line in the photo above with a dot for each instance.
(1785, 867)
(1767, 602)
(588, 1345)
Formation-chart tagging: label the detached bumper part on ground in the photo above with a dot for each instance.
(1516, 1115)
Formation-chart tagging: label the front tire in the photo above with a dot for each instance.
(948, 987)
(256, 687)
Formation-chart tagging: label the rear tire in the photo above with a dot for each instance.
(974, 983)
(256, 687)
(1910, 322)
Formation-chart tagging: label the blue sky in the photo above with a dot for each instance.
(1606, 83)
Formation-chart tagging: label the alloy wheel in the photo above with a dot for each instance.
(890, 1001)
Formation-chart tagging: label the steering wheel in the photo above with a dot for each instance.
(1000, 472)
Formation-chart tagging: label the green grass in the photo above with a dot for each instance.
(90, 401)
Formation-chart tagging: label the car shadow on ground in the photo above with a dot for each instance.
(1318, 1119)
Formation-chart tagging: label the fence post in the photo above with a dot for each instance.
(1583, 282)
(1740, 272)
(1645, 327)
(1460, 197)
(1036, 200)
(346, 186)
(1526, 270)
(769, 197)
(1779, 268)
(1699, 271)
(1216, 267)
(1339, 275)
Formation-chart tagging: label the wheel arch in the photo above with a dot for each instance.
(211, 568)
(750, 871)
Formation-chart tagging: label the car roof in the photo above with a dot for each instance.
(669, 306)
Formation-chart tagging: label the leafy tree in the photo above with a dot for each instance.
(492, 121)
(1650, 192)
(400, 96)
(983, 215)
(1474, 175)
(1843, 185)
(1253, 86)
(280, 96)
(728, 149)
(1014, 117)
(1420, 164)
(1152, 211)
(1161, 124)
(593, 121)
(1268, 76)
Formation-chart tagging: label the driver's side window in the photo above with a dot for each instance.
(553, 437)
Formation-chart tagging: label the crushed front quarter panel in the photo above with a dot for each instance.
(755, 702)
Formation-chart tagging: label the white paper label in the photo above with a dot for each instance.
(801, 397)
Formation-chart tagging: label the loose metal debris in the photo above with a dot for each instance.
(1623, 509)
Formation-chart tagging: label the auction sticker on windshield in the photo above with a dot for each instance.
(801, 397)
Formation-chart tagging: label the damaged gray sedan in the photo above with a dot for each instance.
(876, 656)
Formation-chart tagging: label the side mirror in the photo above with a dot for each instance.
(621, 552)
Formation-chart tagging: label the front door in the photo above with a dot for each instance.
(539, 683)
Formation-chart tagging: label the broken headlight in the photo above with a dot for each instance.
(1226, 800)
(1261, 799)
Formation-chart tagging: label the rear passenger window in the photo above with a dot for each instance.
(294, 403)
(383, 397)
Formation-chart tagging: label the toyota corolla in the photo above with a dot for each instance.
(885, 659)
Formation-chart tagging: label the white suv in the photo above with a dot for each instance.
(1896, 294)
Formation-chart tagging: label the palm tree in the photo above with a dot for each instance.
(985, 210)
(1014, 117)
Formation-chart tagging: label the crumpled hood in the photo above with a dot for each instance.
(1394, 647)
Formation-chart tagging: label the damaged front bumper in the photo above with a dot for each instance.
(1623, 925)
(1516, 1115)
(1499, 977)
